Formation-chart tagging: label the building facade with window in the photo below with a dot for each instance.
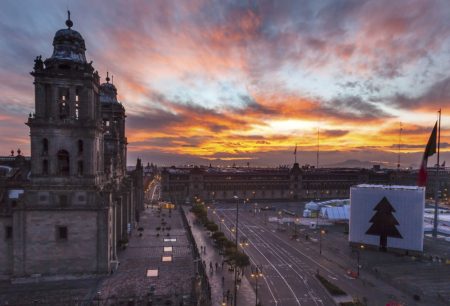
(283, 184)
(78, 203)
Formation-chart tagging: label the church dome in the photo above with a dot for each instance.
(69, 45)
(108, 92)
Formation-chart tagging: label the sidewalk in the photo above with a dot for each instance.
(245, 293)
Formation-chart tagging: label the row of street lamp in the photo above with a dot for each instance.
(256, 271)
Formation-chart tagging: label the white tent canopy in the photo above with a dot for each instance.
(336, 212)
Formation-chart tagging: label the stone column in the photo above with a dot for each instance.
(103, 263)
(114, 229)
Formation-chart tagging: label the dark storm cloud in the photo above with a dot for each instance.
(435, 96)
(353, 107)
(334, 133)
(154, 120)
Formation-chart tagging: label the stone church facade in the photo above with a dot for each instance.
(77, 204)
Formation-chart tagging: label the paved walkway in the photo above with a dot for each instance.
(221, 280)
(174, 280)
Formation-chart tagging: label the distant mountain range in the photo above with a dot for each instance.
(355, 163)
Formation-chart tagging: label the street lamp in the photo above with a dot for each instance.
(297, 221)
(236, 236)
(358, 251)
(321, 232)
(220, 223)
(256, 274)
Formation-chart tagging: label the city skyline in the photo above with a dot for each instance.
(208, 80)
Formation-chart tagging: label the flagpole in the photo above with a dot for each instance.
(437, 187)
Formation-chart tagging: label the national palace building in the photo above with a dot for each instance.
(283, 184)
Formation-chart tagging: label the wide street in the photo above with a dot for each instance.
(289, 265)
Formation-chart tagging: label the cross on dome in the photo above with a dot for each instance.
(69, 22)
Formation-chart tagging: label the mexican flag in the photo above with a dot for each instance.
(429, 151)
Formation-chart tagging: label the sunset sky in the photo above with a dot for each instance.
(222, 82)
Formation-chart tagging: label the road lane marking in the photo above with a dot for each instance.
(274, 247)
(279, 273)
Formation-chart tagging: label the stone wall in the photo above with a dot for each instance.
(43, 252)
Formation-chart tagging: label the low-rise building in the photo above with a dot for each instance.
(187, 184)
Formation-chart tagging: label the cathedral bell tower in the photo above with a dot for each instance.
(113, 115)
(66, 130)
(63, 225)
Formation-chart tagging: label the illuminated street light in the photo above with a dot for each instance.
(358, 251)
(256, 274)
(321, 232)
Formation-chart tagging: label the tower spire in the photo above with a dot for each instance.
(69, 22)
(107, 77)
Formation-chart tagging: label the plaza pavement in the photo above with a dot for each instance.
(175, 279)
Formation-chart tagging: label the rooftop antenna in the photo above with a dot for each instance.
(318, 146)
(112, 79)
(295, 154)
(399, 146)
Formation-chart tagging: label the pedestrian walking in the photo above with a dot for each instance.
(211, 266)
(217, 265)
(223, 263)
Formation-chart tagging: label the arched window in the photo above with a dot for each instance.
(45, 146)
(63, 103)
(63, 163)
(80, 146)
(80, 167)
(45, 167)
(77, 103)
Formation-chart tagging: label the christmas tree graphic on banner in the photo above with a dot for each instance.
(384, 223)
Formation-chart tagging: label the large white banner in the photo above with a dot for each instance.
(387, 216)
